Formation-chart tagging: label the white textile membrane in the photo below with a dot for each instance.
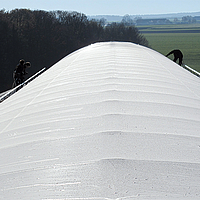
(113, 120)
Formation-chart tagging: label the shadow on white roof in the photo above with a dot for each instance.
(111, 120)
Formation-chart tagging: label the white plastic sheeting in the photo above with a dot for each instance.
(113, 120)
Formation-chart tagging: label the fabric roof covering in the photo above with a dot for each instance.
(113, 120)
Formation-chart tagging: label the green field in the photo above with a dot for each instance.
(164, 38)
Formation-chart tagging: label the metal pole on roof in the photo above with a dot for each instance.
(14, 90)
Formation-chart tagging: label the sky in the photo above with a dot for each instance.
(107, 7)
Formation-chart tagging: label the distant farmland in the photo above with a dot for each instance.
(164, 38)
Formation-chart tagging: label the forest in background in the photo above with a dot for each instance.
(43, 38)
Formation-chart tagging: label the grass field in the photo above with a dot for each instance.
(164, 38)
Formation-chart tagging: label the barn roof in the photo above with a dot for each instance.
(111, 120)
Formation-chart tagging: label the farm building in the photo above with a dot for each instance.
(113, 120)
(152, 21)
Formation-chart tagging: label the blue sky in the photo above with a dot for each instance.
(107, 7)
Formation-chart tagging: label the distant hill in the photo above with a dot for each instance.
(118, 18)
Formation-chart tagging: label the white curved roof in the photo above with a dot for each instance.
(112, 120)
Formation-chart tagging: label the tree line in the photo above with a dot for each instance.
(43, 38)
